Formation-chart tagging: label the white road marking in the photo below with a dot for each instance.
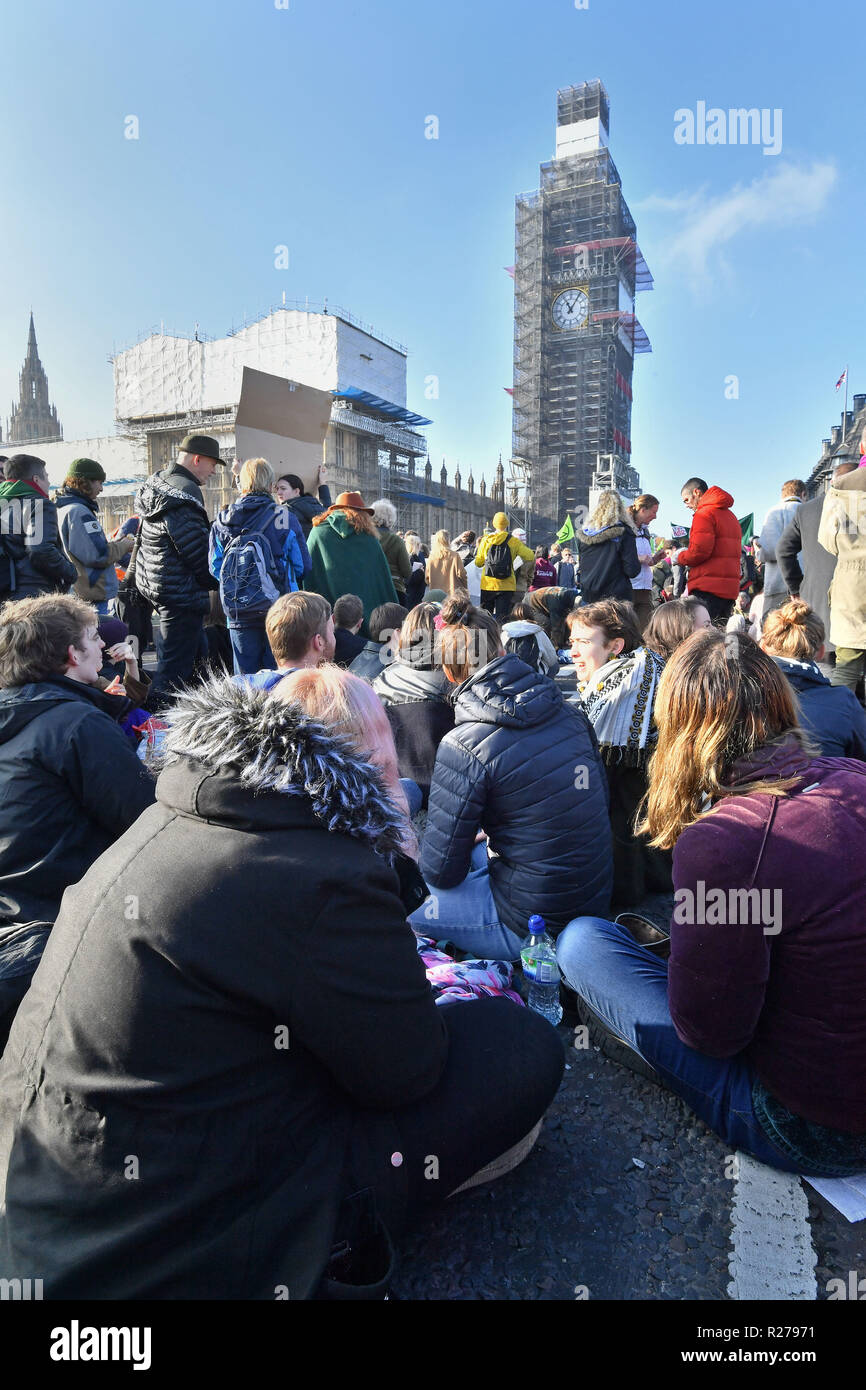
(772, 1255)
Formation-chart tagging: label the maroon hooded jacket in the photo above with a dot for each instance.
(715, 543)
(790, 990)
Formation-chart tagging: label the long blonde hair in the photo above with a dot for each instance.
(440, 547)
(720, 699)
(609, 510)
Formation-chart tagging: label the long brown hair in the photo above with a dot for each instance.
(720, 699)
(671, 624)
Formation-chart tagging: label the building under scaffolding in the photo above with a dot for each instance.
(577, 270)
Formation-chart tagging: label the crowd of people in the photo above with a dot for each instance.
(261, 906)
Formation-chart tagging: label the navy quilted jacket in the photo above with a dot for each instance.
(523, 765)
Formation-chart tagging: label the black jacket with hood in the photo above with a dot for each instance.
(419, 709)
(171, 568)
(608, 562)
(523, 765)
(71, 784)
(265, 989)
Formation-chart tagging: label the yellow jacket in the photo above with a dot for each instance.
(517, 548)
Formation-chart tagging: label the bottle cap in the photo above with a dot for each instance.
(536, 925)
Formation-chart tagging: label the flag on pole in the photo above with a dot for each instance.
(679, 533)
(843, 378)
(566, 531)
(747, 527)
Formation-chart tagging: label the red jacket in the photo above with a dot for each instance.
(715, 544)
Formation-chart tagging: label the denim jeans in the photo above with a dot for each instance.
(180, 643)
(251, 650)
(628, 989)
(413, 795)
(467, 915)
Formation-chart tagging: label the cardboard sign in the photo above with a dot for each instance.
(283, 422)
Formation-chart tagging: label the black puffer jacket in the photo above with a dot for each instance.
(524, 766)
(608, 563)
(226, 1036)
(172, 565)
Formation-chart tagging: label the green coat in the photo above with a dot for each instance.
(346, 561)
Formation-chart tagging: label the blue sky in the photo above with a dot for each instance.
(306, 127)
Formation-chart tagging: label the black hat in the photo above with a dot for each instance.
(201, 444)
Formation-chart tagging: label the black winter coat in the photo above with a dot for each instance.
(832, 715)
(523, 765)
(71, 784)
(608, 562)
(224, 991)
(171, 569)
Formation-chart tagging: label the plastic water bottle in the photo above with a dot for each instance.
(541, 969)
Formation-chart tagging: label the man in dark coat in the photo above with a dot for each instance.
(228, 1024)
(70, 781)
(32, 558)
(522, 765)
(171, 568)
(806, 567)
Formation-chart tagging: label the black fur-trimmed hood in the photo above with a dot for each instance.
(228, 725)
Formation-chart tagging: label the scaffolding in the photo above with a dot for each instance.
(572, 393)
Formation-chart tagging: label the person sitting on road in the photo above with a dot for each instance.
(617, 682)
(380, 650)
(262, 1034)
(672, 623)
(516, 747)
(348, 617)
(70, 780)
(759, 1020)
(416, 694)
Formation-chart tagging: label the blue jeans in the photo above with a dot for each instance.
(467, 915)
(628, 989)
(413, 795)
(251, 650)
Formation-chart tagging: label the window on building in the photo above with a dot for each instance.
(338, 445)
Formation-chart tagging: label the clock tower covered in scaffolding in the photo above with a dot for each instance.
(577, 269)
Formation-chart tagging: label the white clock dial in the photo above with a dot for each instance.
(570, 309)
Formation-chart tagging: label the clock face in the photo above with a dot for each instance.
(570, 309)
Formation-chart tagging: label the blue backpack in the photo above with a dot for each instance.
(247, 587)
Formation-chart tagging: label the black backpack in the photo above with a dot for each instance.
(498, 563)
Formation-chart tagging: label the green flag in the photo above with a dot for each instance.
(747, 526)
(566, 531)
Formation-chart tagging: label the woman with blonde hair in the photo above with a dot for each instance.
(759, 1020)
(607, 551)
(445, 569)
(347, 557)
(793, 636)
(257, 552)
